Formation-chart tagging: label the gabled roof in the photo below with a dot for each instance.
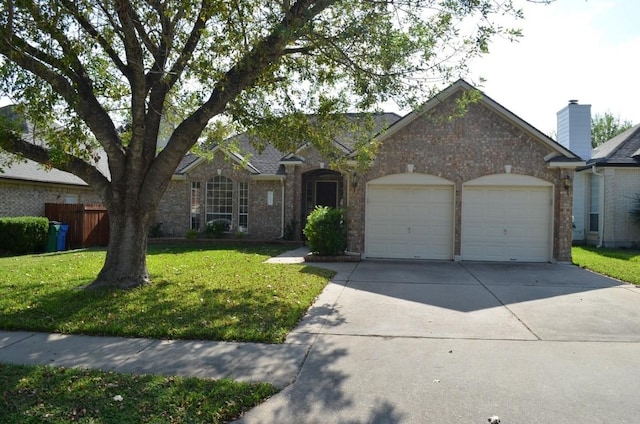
(621, 150)
(28, 170)
(271, 161)
(460, 86)
(255, 162)
(346, 140)
(33, 171)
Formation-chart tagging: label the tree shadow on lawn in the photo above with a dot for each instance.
(210, 314)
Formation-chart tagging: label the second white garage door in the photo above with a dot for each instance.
(409, 222)
(506, 223)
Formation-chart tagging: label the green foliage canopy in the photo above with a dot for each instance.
(606, 126)
(109, 72)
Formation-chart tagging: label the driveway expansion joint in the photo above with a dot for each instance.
(529, 329)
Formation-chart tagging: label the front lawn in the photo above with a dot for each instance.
(36, 394)
(205, 293)
(623, 264)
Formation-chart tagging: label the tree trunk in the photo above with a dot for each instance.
(126, 264)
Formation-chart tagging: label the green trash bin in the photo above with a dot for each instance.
(54, 233)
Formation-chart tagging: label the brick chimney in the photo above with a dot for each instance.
(574, 128)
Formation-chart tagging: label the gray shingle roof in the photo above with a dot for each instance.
(381, 121)
(29, 170)
(621, 150)
(32, 171)
(268, 160)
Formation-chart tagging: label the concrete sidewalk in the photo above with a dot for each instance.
(275, 364)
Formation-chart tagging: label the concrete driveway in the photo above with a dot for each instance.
(444, 342)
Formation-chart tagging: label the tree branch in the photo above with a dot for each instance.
(298, 50)
(189, 47)
(243, 75)
(14, 143)
(93, 32)
(86, 106)
(132, 48)
(144, 36)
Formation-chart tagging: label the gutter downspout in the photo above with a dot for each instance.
(282, 209)
(601, 211)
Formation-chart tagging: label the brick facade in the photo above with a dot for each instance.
(26, 198)
(620, 188)
(479, 143)
(264, 220)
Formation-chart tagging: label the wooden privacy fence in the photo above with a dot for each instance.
(88, 223)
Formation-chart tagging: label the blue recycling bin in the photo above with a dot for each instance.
(62, 236)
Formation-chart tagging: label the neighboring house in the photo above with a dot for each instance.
(25, 186)
(483, 186)
(605, 189)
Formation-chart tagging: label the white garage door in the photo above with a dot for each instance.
(409, 222)
(506, 223)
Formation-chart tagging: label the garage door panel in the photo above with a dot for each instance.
(409, 222)
(506, 223)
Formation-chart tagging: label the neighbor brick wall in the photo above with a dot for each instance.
(477, 144)
(25, 198)
(620, 187)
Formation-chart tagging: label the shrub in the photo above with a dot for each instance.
(214, 229)
(156, 230)
(325, 231)
(192, 234)
(23, 234)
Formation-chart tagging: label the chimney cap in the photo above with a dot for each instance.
(573, 102)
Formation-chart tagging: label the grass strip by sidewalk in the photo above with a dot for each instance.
(205, 293)
(38, 394)
(622, 264)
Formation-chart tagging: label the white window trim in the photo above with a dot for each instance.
(210, 198)
(243, 194)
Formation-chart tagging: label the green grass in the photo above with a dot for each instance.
(222, 293)
(623, 264)
(37, 394)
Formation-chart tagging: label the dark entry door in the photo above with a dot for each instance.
(327, 193)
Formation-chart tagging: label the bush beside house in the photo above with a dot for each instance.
(24, 234)
(326, 231)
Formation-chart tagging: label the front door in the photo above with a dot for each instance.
(327, 193)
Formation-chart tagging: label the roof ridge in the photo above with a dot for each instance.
(623, 136)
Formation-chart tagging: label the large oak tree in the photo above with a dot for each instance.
(112, 77)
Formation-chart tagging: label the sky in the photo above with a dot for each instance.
(587, 50)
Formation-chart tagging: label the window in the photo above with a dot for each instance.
(219, 205)
(195, 205)
(594, 203)
(243, 206)
(71, 199)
